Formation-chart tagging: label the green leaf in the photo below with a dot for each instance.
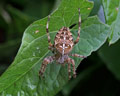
(95, 10)
(112, 16)
(21, 78)
(110, 55)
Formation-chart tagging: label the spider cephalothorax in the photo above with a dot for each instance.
(63, 45)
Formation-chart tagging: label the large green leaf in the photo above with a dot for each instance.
(21, 78)
(112, 16)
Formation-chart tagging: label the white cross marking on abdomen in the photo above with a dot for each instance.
(64, 44)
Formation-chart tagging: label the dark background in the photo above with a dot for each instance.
(16, 15)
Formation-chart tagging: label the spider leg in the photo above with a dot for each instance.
(79, 24)
(51, 48)
(71, 61)
(48, 35)
(77, 55)
(46, 61)
(69, 70)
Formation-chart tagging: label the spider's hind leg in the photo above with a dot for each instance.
(71, 61)
(77, 55)
(46, 61)
(79, 24)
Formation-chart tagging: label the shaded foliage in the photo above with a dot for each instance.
(97, 75)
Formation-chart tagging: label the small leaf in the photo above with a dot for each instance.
(112, 15)
(95, 10)
(21, 78)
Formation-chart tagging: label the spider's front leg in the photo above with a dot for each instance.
(46, 61)
(71, 61)
(48, 35)
(79, 24)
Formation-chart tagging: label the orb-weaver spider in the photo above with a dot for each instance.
(63, 44)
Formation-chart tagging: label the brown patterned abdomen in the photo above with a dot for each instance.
(64, 41)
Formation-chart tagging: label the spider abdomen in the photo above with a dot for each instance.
(64, 41)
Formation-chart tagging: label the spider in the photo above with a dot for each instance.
(63, 45)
